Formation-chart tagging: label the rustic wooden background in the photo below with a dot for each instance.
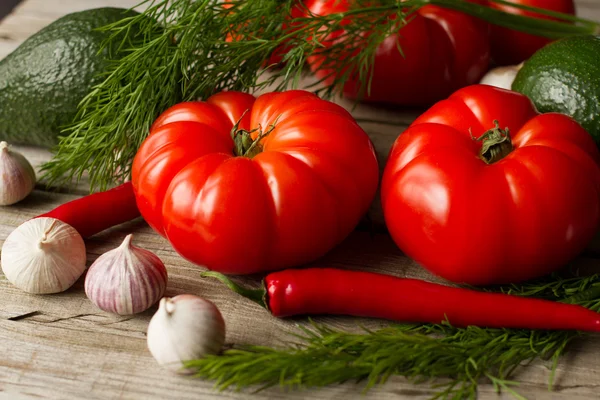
(62, 346)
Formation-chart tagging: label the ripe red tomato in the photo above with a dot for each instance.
(279, 53)
(298, 193)
(443, 50)
(519, 217)
(511, 47)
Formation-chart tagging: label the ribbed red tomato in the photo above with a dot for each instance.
(293, 184)
(526, 212)
(443, 50)
(512, 47)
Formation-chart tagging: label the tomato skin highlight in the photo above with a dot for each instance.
(515, 219)
(290, 204)
(511, 47)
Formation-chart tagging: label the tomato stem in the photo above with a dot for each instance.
(496, 144)
(244, 145)
(236, 127)
(256, 295)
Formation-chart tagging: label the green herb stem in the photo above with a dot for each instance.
(453, 360)
(256, 295)
(181, 52)
(552, 29)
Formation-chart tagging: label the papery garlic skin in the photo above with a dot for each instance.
(126, 280)
(17, 177)
(185, 327)
(43, 255)
(501, 77)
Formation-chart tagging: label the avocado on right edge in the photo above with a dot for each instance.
(564, 77)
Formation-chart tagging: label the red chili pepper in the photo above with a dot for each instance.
(99, 211)
(365, 294)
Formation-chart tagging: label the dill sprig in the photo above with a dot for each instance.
(181, 52)
(453, 360)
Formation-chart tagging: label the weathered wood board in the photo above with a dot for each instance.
(62, 346)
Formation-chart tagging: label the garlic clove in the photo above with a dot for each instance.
(502, 77)
(185, 327)
(126, 280)
(17, 177)
(43, 255)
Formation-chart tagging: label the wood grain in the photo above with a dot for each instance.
(62, 346)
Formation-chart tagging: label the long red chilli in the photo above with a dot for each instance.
(364, 294)
(99, 211)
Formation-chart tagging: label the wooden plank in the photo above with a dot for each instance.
(6, 47)
(65, 347)
(6, 7)
(32, 15)
(588, 9)
(57, 8)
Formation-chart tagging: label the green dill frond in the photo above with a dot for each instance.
(183, 51)
(453, 361)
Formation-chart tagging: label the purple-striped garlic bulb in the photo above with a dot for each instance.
(17, 177)
(126, 280)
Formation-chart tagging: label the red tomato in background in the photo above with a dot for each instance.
(443, 50)
(277, 56)
(518, 218)
(290, 204)
(511, 47)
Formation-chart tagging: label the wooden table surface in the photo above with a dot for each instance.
(62, 346)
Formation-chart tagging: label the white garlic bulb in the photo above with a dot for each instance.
(43, 255)
(185, 327)
(126, 280)
(502, 77)
(17, 177)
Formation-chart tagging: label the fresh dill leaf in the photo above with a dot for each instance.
(555, 286)
(453, 360)
(183, 51)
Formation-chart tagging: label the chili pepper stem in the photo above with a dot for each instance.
(330, 291)
(496, 144)
(256, 295)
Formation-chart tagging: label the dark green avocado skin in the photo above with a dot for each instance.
(44, 79)
(564, 77)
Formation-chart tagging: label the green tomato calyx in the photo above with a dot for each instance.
(243, 143)
(495, 144)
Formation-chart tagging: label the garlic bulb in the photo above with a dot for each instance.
(126, 280)
(43, 255)
(17, 177)
(185, 327)
(502, 77)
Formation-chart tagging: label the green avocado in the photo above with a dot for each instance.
(45, 78)
(564, 77)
